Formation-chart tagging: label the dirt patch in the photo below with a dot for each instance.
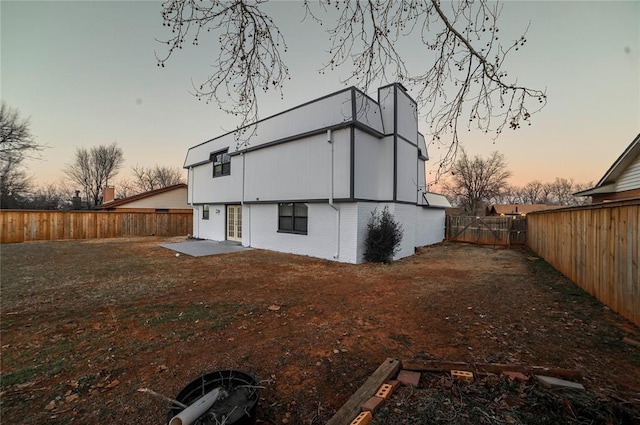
(85, 324)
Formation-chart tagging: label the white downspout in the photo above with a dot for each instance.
(248, 221)
(196, 211)
(334, 206)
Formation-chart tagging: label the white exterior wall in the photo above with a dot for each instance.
(373, 174)
(422, 187)
(407, 116)
(368, 112)
(407, 172)
(406, 215)
(630, 178)
(385, 100)
(299, 169)
(204, 188)
(403, 213)
(322, 113)
(213, 228)
(320, 240)
(429, 227)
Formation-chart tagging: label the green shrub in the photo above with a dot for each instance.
(384, 235)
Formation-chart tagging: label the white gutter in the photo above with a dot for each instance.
(337, 255)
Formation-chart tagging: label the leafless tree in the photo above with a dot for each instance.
(579, 187)
(158, 177)
(475, 181)
(508, 195)
(558, 192)
(93, 168)
(17, 144)
(533, 193)
(15, 185)
(465, 86)
(561, 191)
(50, 196)
(125, 188)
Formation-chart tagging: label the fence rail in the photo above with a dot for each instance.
(487, 230)
(597, 248)
(21, 225)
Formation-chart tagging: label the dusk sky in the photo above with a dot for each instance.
(85, 74)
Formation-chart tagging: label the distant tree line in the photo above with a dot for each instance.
(476, 182)
(91, 170)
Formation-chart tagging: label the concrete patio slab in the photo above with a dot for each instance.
(204, 248)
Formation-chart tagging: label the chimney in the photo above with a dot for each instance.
(76, 201)
(108, 194)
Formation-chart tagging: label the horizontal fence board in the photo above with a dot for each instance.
(597, 248)
(23, 226)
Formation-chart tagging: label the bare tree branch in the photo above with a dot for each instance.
(147, 178)
(249, 59)
(465, 86)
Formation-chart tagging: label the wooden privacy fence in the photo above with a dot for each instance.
(21, 225)
(487, 230)
(597, 248)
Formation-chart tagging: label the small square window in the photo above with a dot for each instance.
(292, 218)
(221, 163)
(205, 212)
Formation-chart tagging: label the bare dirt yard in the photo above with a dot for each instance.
(85, 324)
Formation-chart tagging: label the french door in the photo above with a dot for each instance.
(234, 223)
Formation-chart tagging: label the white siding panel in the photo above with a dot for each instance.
(385, 170)
(422, 187)
(630, 178)
(320, 241)
(226, 189)
(373, 172)
(299, 169)
(213, 228)
(385, 100)
(422, 144)
(407, 172)
(326, 112)
(368, 112)
(407, 117)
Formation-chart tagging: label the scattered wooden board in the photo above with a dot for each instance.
(442, 366)
(351, 408)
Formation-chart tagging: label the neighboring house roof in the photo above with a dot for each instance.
(518, 209)
(125, 202)
(436, 200)
(627, 165)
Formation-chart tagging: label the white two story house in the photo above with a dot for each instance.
(307, 179)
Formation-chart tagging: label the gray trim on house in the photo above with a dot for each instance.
(395, 142)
